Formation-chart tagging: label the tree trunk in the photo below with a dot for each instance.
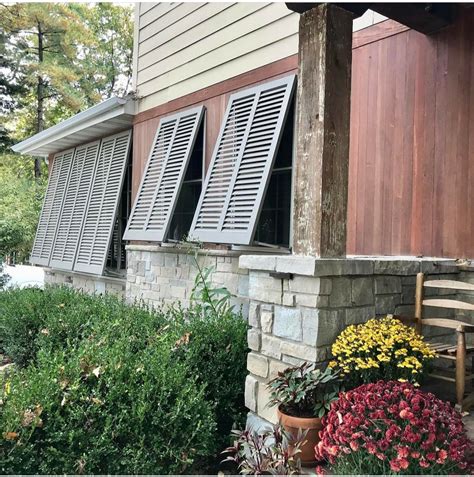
(40, 99)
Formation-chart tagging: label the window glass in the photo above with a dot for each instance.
(275, 218)
(116, 257)
(190, 191)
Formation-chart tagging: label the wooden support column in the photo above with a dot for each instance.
(322, 150)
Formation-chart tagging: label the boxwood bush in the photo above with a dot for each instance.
(104, 387)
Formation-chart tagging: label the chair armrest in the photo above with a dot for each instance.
(457, 325)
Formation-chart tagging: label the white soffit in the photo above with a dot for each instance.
(106, 118)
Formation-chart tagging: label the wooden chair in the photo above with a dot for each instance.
(455, 353)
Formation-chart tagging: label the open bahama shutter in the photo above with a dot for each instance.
(52, 205)
(74, 206)
(163, 177)
(102, 204)
(242, 161)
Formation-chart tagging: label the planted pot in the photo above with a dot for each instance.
(312, 425)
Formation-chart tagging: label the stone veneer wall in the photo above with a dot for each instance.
(298, 305)
(164, 275)
(88, 283)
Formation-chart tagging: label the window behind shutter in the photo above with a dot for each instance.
(53, 200)
(102, 205)
(74, 207)
(240, 168)
(161, 183)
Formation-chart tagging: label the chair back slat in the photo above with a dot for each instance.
(447, 303)
(450, 284)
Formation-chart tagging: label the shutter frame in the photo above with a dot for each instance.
(143, 231)
(218, 233)
(78, 211)
(48, 223)
(92, 261)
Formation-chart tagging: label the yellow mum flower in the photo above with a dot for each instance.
(380, 343)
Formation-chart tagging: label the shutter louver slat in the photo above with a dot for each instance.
(52, 204)
(164, 174)
(102, 205)
(242, 161)
(74, 207)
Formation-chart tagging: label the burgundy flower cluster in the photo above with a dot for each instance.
(395, 427)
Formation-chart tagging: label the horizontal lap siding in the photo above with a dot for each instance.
(189, 46)
(412, 144)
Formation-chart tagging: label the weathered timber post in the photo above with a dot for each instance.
(322, 148)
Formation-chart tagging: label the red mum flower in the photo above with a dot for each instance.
(411, 417)
(423, 463)
(354, 445)
(320, 470)
(403, 463)
(442, 456)
(371, 448)
(394, 465)
(383, 444)
(403, 452)
(406, 414)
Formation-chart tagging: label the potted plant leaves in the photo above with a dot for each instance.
(303, 395)
(265, 453)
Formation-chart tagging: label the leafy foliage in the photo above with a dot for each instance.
(21, 198)
(70, 55)
(304, 391)
(108, 407)
(107, 387)
(4, 277)
(211, 299)
(214, 348)
(265, 453)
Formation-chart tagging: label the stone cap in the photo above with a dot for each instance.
(351, 265)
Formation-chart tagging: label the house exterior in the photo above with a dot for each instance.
(216, 146)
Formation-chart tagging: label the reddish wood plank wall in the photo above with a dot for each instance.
(411, 181)
(214, 98)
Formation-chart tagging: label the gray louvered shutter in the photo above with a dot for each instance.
(163, 177)
(242, 161)
(74, 207)
(102, 206)
(52, 205)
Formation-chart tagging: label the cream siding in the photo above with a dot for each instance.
(184, 47)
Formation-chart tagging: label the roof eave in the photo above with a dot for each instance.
(114, 113)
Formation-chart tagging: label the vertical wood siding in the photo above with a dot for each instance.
(412, 144)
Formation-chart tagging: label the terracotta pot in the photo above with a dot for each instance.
(313, 425)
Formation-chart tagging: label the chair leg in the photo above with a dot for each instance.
(460, 369)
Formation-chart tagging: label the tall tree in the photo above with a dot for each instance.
(69, 57)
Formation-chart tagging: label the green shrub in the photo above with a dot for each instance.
(214, 349)
(60, 317)
(4, 277)
(106, 387)
(105, 408)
